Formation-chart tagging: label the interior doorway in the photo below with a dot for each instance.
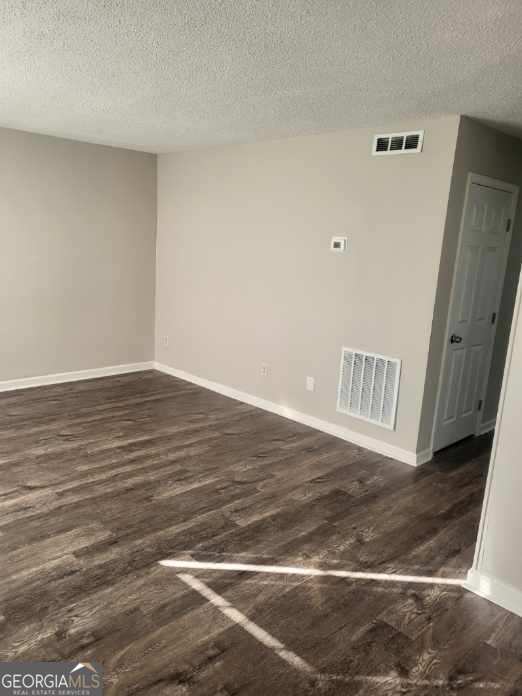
(483, 249)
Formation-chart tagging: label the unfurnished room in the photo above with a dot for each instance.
(260, 348)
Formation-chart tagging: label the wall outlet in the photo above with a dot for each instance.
(339, 244)
(265, 370)
(310, 384)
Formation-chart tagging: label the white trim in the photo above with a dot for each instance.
(496, 591)
(60, 377)
(488, 181)
(481, 180)
(424, 456)
(384, 448)
(487, 426)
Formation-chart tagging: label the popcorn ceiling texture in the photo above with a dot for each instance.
(162, 75)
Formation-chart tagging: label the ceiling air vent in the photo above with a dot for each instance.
(369, 387)
(398, 143)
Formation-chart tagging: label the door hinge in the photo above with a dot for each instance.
(493, 317)
(480, 405)
(508, 225)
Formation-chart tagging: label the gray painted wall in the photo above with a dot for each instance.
(77, 256)
(480, 150)
(245, 275)
(499, 556)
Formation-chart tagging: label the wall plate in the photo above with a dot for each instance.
(338, 244)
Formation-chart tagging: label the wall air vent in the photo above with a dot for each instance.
(398, 143)
(369, 387)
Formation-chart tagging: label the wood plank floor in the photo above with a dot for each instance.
(102, 479)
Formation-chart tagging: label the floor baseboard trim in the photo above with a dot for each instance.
(384, 448)
(496, 591)
(61, 377)
(487, 426)
(424, 456)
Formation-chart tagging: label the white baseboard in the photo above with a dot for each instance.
(487, 426)
(496, 591)
(26, 382)
(424, 457)
(384, 448)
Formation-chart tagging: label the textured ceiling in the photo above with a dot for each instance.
(162, 75)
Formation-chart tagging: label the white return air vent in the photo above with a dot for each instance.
(398, 143)
(369, 387)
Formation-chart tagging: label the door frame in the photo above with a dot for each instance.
(489, 182)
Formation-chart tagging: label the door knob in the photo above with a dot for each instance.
(455, 339)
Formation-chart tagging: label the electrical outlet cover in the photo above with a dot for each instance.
(339, 244)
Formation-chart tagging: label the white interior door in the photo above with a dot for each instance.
(477, 286)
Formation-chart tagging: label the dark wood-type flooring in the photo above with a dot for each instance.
(102, 479)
